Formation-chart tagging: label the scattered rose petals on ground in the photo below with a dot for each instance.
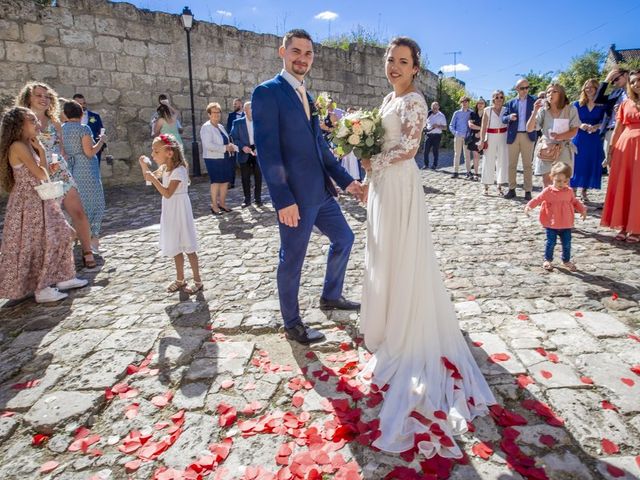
(298, 399)
(608, 446)
(543, 410)
(506, 418)
(614, 296)
(471, 298)
(482, 450)
(7, 413)
(586, 380)
(38, 439)
(553, 357)
(609, 406)
(130, 411)
(477, 344)
(615, 471)
(132, 466)
(49, 466)
(498, 357)
(26, 385)
(548, 440)
(524, 380)
(634, 337)
(523, 316)
(627, 381)
(578, 314)
(226, 384)
(163, 400)
(546, 374)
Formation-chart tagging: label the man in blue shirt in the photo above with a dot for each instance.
(519, 142)
(459, 126)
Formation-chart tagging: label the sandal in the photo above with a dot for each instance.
(633, 238)
(547, 265)
(621, 236)
(88, 260)
(486, 189)
(176, 285)
(570, 266)
(195, 288)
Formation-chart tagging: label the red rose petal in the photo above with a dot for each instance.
(548, 440)
(615, 471)
(627, 381)
(482, 450)
(541, 351)
(132, 466)
(609, 406)
(586, 380)
(225, 384)
(609, 447)
(553, 357)
(298, 399)
(39, 439)
(440, 414)
(634, 337)
(578, 314)
(635, 369)
(614, 296)
(471, 298)
(477, 344)
(131, 410)
(49, 466)
(524, 380)
(546, 374)
(523, 316)
(499, 357)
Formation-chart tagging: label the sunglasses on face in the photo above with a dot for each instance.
(616, 79)
(524, 88)
(498, 98)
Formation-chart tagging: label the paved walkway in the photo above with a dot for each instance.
(123, 380)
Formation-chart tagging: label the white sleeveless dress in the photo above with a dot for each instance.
(177, 228)
(407, 318)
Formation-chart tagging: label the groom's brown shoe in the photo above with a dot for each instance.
(338, 304)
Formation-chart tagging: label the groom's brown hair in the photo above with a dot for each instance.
(295, 33)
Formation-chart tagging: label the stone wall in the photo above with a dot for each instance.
(121, 58)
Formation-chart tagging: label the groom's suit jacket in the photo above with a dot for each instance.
(295, 159)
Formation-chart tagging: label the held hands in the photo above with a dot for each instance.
(231, 148)
(355, 189)
(246, 149)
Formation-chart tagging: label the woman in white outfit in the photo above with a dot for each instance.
(495, 163)
(407, 318)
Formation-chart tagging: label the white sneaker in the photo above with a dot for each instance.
(73, 283)
(49, 294)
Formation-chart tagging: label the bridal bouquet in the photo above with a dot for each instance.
(360, 132)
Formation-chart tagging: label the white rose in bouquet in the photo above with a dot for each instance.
(357, 128)
(342, 130)
(367, 126)
(354, 139)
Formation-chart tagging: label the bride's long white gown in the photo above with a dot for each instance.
(407, 318)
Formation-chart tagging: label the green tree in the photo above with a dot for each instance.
(450, 94)
(631, 65)
(538, 81)
(583, 67)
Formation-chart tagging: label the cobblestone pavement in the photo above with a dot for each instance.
(123, 380)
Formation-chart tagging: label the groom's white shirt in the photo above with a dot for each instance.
(293, 81)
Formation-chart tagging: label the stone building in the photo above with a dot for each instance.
(615, 56)
(121, 58)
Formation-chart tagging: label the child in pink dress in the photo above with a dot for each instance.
(557, 212)
(36, 240)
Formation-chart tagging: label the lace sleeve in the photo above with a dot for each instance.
(412, 111)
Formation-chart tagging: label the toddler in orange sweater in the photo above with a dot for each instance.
(558, 206)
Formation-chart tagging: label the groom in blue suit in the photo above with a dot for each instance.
(298, 166)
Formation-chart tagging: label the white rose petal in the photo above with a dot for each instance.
(354, 139)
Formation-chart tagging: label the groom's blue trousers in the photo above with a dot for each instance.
(293, 247)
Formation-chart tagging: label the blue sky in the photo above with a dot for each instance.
(497, 42)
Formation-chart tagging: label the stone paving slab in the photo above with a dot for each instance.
(225, 346)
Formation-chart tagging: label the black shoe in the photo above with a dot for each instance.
(225, 209)
(214, 212)
(434, 166)
(455, 175)
(527, 195)
(338, 304)
(258, 203)
(245, 204)
(510, 194)
(304, 335)
(469, 175)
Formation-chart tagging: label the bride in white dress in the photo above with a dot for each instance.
(407, 318)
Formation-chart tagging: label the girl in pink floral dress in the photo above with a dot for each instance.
(36, 240)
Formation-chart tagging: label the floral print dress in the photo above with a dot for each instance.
(36, 240)
(51, 142)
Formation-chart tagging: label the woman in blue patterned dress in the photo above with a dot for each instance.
(83, 163)
(42, 100)
(587, 172)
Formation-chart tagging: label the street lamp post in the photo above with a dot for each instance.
(440, 77)
(187, 23)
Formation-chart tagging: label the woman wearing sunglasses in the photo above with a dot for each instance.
(493, 139)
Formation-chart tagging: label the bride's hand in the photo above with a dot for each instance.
(365, 194)
(366, 163)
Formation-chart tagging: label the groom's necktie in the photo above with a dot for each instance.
(302, 93)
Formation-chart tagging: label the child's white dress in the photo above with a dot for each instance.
(177, 230)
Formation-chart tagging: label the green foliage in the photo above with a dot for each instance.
(583, 67)
(449, 97)
(631, 65)
(538, 81)
(360, 35)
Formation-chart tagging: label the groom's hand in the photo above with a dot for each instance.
(355, 189)
(289, 215)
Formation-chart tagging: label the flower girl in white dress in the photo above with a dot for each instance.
(177, 229)
(420, 359)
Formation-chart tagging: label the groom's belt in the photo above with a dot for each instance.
(496, 130)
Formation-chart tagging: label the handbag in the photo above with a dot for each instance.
(48, 190)
(548, 152)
